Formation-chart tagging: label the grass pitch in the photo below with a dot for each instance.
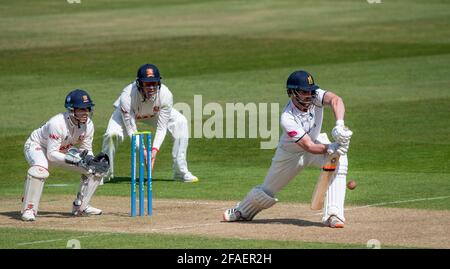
(390, 63)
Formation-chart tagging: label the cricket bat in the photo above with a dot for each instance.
(324, 181)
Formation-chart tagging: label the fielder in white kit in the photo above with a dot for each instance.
(300, 146)
(53, 145)
(149, 100)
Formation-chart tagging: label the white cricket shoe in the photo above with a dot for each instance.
(89, 210)
(232, 214)
(334, 222)
(188, 177)
(28, 215)
(107, 177)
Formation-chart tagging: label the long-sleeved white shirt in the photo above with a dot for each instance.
(59, 134)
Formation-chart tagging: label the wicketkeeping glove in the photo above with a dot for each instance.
(98, 165)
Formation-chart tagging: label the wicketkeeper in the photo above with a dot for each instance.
(300, 146)
(147, 99)
(53, 145)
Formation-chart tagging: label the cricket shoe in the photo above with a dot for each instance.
(89, 210)
(334, 222)
(232, 214)
(107, 177)
(187, 177)
(28, 215)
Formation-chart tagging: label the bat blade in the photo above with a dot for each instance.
(323, 182)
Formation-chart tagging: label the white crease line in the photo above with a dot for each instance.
(39, 242)
(59, 239)
(189, 202)
(85, 236)
(186, 227)
(59, 185)
(399, 202)
(394, 202)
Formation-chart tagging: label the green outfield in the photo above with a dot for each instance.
(19, 238)
(390, 62)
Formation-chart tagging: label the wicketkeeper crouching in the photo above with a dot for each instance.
(300, 146)
(53, 145)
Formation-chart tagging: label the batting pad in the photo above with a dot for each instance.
(255, 201)
(34, 184)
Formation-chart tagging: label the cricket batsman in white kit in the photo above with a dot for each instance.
(149, 100)
(303, 145)
(53, 145)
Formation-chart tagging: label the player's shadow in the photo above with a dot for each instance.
(122, 180)
(41, 214)
(296, 222)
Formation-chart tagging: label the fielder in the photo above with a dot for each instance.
(52, 145)
(149, 100)
(300, 146)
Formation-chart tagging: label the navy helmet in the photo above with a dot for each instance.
(301, 80)
(148, 73)
(302, 89)
(78, 99)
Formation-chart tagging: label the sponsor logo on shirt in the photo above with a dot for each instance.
(65, 148)
(292, 133)
(53, 136)
(141, 117)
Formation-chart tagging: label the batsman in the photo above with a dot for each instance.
(53, 145)
(302, 145)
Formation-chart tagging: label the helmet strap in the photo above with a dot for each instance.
(298, 102)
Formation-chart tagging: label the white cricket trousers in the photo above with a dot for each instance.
(286, 165)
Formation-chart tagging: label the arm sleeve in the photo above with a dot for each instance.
(54, 143)
(163, 120)
(318, 101)
(86, 143)
(129, 120)
(293, 130)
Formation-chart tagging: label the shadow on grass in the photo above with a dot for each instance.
(41, 214)
(296, 222)
(127, 180)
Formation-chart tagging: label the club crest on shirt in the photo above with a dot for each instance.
(156, 109)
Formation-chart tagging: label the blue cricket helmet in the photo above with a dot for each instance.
(148, 73)
(301, 80)
(78, 99)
